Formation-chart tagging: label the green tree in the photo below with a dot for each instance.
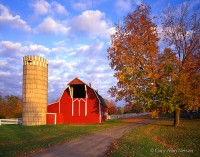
(181, 29)
(137, 107)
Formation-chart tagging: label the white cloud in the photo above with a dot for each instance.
(82, 60)
(61, 43)
(123, 6)
(138, 2)
(72, 53)
(62, 46)
(83, 48)
(111, 31)
(16, 49)
(2, 73)
(10, 46)
(58, 67)
(57, 63)
(49, 25)
(59, 49)
(58, 8)
(83, 5)
(6, 18)
(92, 22)
(42, 7)
(38, 48)
(86, 50)
(99, 45)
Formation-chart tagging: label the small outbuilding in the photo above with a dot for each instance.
(79, 104)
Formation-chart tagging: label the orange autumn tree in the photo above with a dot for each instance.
(181, 29)
(10, 107)
(112, 108)
(133, 55)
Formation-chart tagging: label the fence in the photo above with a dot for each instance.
(11, 121)
(128, 115)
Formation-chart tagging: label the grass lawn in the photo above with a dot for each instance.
(160, 139)
(18, 140)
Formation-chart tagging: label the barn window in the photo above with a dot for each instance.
(79, 91)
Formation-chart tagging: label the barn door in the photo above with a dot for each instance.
(79, 107)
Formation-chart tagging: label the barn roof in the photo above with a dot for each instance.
(78, 81)
(100, 98)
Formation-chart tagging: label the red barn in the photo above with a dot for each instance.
(79, 104)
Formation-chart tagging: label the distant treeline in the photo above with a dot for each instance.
(10, 107)
(129, 108)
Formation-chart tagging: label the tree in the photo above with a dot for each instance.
(137, 108)
(166, 83)
(112, 108)
(128, 108)
(119, 110)
(1, 107)
(106, 101)
(133, 55)
(10, 107)
(181, 30)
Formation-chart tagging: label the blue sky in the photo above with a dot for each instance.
(72, 35)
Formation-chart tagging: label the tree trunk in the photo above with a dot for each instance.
(177, 117)
(191, 115)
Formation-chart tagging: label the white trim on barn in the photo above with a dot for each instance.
(72, 106)
(79, 105)
(86, 107)
(72, 103)
(55, 116)
(58, 101)
(70, 92)
(86, 96)
(99, 107)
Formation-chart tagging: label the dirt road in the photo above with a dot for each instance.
(94, 145)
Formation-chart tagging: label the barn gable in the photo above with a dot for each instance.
(76, 81)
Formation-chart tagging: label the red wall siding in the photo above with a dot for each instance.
(60, 119)
(79, 117)
(50, 119)
(104, 113)
(65, 107)
(53, 108)
(106, 110)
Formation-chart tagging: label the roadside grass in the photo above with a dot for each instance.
(160, 139)
(18, 140)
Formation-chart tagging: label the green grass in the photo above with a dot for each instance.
(160, 139)
(18, 140)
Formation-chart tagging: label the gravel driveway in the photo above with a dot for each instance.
(93, 145)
